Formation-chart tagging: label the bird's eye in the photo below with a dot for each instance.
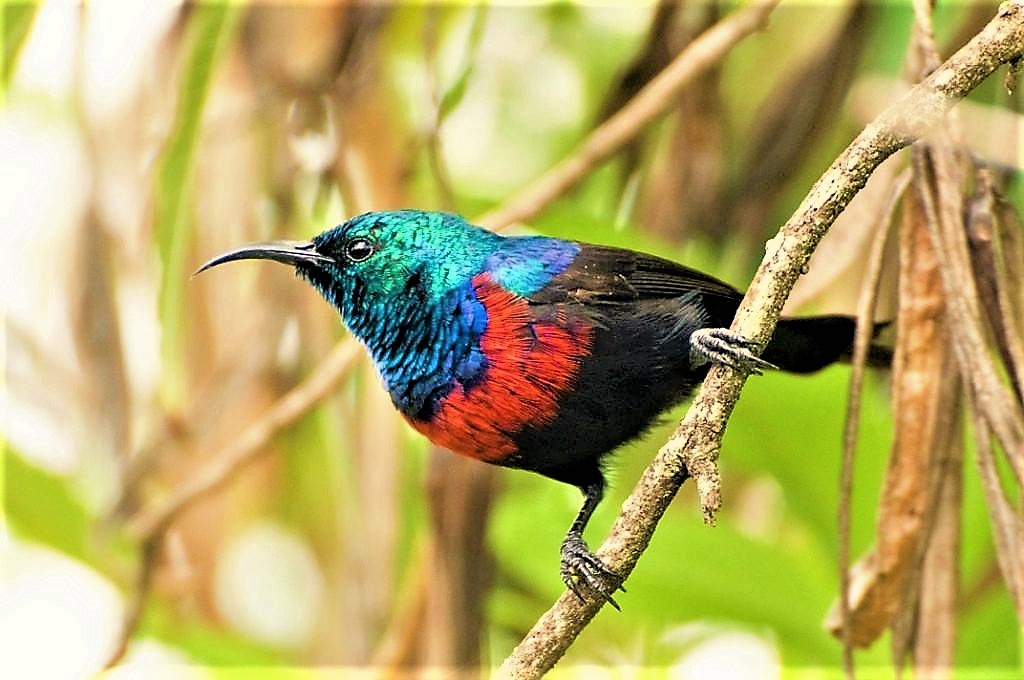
(358, 249)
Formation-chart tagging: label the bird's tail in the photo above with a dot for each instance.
(804, 345)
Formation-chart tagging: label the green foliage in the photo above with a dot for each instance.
(209, 35)
(206, 644)
(41, 506)
(454, 94)
(15, 21)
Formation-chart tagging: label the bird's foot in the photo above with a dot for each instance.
(583, 571)
(723, 346)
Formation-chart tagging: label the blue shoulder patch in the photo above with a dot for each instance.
(525, 264)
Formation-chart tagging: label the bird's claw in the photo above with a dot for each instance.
(583, 571)
(723, 346)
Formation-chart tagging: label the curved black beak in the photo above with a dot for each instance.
(286, 252)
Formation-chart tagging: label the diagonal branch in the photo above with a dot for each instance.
(251, 441)
(693, 448)
(646, 107)
(150, 526)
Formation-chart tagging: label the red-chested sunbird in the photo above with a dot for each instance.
(533, 352)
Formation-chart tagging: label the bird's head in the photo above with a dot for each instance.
(380, 261)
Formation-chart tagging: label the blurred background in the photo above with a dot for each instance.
(207, 473)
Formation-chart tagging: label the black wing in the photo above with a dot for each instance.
(603, 274)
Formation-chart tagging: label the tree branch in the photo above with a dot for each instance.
(693, 448)
(150, 526)
(253, 440)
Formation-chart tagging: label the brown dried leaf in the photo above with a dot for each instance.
(996, 251)
(1000, 306)
(866, 309)
(301, 49)
(996, 402)
(654, 55)
(97, 334)
(1007, 521)
(460, 491)
(935, 632)
(442, 612)
(686, 178)
(925, 403)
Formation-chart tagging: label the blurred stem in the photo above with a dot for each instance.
(433, 132)
(210, 31)
(646, 107)
(252, 441)
(444, 100)
(138, 597)
(322, 200)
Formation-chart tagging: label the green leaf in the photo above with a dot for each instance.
(209, 32)
(41, 506)
(206, 644)
(16, 20)
(453, 96)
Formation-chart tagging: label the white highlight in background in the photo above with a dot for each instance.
(269, 585)
(58, 618)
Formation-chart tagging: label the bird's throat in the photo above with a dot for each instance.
(423, 349)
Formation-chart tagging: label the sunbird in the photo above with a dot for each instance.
(534, 352)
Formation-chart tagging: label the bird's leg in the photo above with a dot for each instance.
(723, 346)
(581, 569)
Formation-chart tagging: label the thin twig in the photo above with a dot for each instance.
(861, 344)
(693, 448)
(150, 526)
(432, 135)
(998, 404)
(252, 441)
(647, 106)
(1007, 526)
(137, 598)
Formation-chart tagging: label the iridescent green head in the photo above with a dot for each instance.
(383, 256)
(382, 262)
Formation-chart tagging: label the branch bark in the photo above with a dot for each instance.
(693, 448)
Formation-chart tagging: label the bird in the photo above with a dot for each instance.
(533, 352)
